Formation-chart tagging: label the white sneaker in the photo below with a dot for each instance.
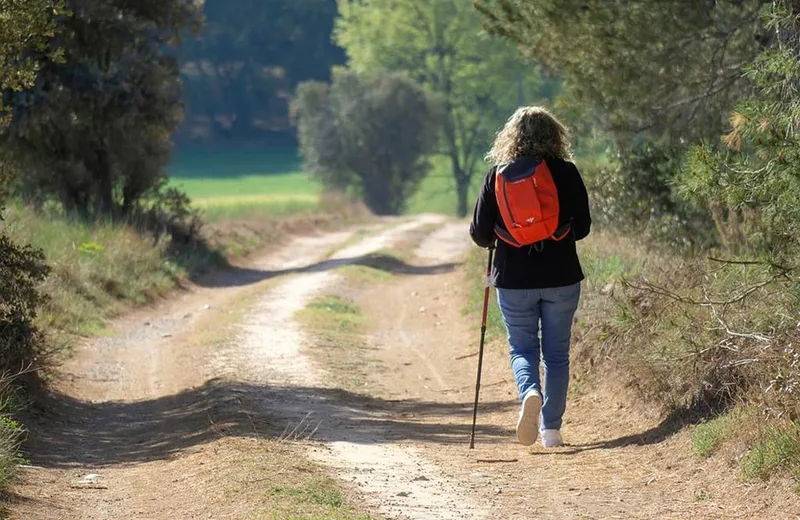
(552, 438)
(528, 423)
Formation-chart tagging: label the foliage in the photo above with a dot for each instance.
(655, 65)
(440, 44)
(27, 26)
(753, 175)
(241, 73)
(94, 131)
(657, 75)
(370, 133)
(635, 194)
(778, 451)
(11, 434)
(22, 269)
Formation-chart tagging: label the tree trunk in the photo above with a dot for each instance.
(462, 190)
(105, 187)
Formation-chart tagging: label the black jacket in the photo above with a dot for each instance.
(556, 264)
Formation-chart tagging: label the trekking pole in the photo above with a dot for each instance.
(480, 352)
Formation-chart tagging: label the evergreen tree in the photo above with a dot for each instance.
(94, 130)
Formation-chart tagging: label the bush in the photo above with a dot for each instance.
(634, 194)
(367, 134)
(22, 269)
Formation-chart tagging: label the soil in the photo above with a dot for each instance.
(145, 423)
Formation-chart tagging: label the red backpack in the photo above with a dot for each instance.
(528, 201)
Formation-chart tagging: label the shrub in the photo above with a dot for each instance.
(21, 270)
(367, 134)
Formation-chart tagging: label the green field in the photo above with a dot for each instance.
(438, 191)
(236, 183)
(242, 182)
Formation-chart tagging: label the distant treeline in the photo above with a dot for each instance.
(241, 72)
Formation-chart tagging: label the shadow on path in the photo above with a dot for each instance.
(672, 424)
(242, 276)
(68, 432)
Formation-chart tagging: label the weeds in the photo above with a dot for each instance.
(11, 434)
(709, 436)
(337, 328)
(316, 491)
(334, 315)
(778, 451)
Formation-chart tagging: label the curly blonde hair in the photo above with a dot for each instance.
(531, 131)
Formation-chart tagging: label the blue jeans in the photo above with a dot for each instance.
(522, 311)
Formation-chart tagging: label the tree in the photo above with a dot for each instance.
(651, 65)
(662, 74)
(27, 27)
(94, 131)
(241, 72)
(440, 44)
(368, 133)
(751, 178)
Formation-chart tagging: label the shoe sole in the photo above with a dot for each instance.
(528, 424)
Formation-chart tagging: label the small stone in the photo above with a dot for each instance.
(422, 309)
(497, 491)
(166, 335)
(404, 493)
(421, 478)
(206, 307)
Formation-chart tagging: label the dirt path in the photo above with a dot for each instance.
(140, 426)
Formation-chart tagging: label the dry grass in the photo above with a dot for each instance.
(336, 328)
(286, 485)
(707, 337)
(701, 340)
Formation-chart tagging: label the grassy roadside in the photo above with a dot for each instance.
(103, 269)
(669, 352)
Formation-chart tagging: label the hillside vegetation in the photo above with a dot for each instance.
(700, 107)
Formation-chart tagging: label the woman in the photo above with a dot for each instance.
(539, 283)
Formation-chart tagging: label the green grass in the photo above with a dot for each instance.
(365, 275)
(285, 485)
(98, 269)
(777, 452)
(606, 258)
(245, 182)
(709, 436)
(318, 499)
(334, 315)
(316, 491)
(437, 194)
(476, 274)
(336, 327)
